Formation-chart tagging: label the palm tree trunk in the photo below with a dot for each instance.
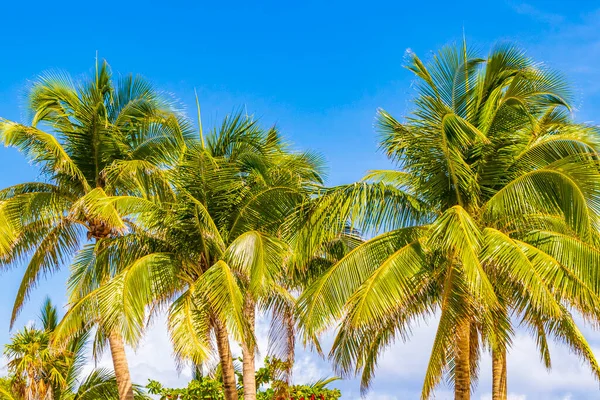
(248, 353)
(227, 371)
(119, 359)
(462, 368)
(499, 384)
(117, 350)
(290, 330)
(282, 391)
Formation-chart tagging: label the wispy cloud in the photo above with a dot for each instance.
(536, 13)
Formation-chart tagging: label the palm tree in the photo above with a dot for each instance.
(212, 248)
(492, 217)
(33, 365)
(90, 139)
(40, 371)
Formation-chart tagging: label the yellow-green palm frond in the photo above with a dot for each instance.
(323, 302)
(189, 329)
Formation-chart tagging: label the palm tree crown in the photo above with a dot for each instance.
(90, 139)
(497, 221)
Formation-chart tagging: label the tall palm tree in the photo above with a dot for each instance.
(212, 248)
(40, 371)
(90, 139)
(492, 216)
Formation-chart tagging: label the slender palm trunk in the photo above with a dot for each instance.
(119, 358)
(462, 368)
(499, 384)
(290, 343)
(117, 350)
(248, 353)
(227, 371)
(282, 391)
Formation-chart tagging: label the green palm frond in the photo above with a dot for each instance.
(123, 300)
(458, 235)
(189, 328)
(101, 384)
(322, 303)
(42, 149)
(52, 251)
(256, 258)
(220, 290)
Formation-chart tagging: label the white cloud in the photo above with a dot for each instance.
(152, 359)
(401, 370)
(511, 396)
(378, 396)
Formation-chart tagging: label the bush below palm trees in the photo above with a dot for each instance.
(211, 387)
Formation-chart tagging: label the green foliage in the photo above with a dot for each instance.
(204, 388)
(39, 369)
(198, 389)
(8, 390)
(91, 139)
(491, 218)
(301, 392)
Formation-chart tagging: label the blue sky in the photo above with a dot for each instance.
(319, 70)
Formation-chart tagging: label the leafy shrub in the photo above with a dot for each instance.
(204, 388)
